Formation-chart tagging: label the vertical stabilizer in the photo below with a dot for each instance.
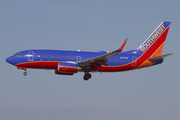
(153, 45)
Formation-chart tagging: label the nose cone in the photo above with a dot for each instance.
(9, 60)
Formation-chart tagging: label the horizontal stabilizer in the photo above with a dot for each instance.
(160, 57)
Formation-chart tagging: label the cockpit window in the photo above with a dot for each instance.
(17, 54)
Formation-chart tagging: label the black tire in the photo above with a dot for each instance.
(85, 77)
(25, 73)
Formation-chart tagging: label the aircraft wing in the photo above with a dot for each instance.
(96, 62)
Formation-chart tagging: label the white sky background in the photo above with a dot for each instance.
(151, 93)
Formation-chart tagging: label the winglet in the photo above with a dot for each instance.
(121, 47)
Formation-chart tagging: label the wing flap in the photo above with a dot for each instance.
(97, 66)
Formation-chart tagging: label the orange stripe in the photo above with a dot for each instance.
(155, 54)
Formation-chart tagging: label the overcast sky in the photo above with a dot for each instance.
(152, 93)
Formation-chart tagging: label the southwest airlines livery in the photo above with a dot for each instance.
(70, 62)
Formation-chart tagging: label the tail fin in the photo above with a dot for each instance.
(153, 45)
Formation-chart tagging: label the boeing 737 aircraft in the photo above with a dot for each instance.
(70, 62)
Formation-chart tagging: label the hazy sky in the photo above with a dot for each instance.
(152, 93)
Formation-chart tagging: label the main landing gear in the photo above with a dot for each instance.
(87, 76)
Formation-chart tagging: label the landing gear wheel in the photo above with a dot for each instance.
(87, 76)
(25, 73)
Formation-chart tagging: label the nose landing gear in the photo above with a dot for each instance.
(22, 68)
(25, 73)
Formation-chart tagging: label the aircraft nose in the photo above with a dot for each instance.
(9, 60)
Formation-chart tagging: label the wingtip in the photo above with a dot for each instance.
(121, 47)
(171, 53)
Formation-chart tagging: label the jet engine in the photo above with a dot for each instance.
(67, 69)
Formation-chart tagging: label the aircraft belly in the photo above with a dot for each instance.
(117, 68)
(40, 64)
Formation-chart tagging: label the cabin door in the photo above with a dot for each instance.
(134, 61)
(31, 56)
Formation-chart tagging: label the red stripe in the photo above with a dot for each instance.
(40, 65)
(152, 48)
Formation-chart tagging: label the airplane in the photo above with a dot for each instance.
(71, 62)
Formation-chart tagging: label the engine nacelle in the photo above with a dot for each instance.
(67, 68)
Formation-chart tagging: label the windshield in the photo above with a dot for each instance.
(17, 54)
